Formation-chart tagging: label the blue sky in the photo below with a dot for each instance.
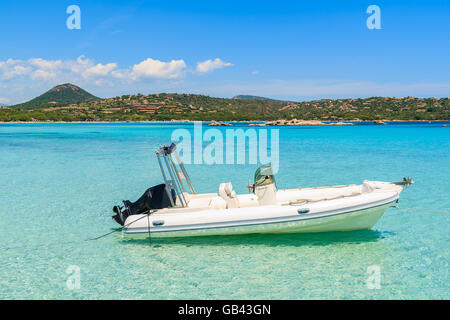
(298, 50)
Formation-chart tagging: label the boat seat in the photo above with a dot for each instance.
(197, 200)
(366, 187)
(217, 203)
(227, 193)
(247, 200)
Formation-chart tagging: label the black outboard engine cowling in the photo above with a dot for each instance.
(155, 197)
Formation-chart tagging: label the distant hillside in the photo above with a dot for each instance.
(248, 97)
(59, 104)
(64, 94)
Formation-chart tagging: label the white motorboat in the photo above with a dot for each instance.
(174, 209)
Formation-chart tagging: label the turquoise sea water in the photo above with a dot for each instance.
(58, 183)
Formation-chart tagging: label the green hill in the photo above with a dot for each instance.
(61, 95)
(62, 103)
(249, 97)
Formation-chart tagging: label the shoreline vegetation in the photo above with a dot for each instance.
(69, 103)
(255, 123)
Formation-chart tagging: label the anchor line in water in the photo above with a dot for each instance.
(148, 225)
(420, 210)
(147, 215)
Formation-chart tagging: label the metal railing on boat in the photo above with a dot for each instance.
(174, 173)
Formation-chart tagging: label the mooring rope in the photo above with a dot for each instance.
(420, 210)
(148, 225)
(147, 215)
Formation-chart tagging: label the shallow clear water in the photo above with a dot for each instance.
(58, 183)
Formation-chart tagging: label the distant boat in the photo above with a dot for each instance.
(174, 209)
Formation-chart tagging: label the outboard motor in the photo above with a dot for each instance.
(155, 197)
(162, 195)
(265, 187)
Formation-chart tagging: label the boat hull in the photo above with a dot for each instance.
(357, 219)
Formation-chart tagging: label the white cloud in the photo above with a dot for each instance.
(79, 65)
(158, 69)
(43, 75)
(46, 64)
(20, 70)
(20, 80)
(9, 63)
(211, 65)
(83, 70)
(10, 69)
(4, 100)
(119, 74)
(99, 70)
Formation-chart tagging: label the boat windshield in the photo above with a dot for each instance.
(264, 176)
